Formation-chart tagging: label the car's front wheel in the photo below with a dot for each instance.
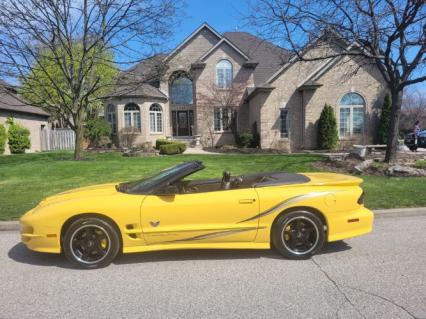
(91, 242)
(298, 234)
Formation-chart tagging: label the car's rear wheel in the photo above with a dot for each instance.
(298, 234)
(91, 242)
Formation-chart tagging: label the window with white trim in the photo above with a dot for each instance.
(222, 119)
(284, 131)
(156, 118)
(351, 114)
(132, 116)
(224, 74)
(111, 117)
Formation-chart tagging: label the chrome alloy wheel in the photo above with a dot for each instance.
(300, 235)
(90, 244)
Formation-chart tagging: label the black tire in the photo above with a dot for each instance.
(298, 234)
(413, 148)
(91, 242)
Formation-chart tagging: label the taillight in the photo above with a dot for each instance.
(361, 199)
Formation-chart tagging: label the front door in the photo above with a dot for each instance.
(182, 123)
(211, 217)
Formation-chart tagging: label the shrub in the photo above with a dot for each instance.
(127, 136)
(162, 141)
(172, 148)
(18, 137)
(385, 117)
(3, 137)
(245, 140)
(327, 129)
(97, 130)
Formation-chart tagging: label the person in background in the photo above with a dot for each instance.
(416, 131)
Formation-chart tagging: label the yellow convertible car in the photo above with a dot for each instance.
(294, 213)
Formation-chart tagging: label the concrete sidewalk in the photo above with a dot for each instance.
(379, 213)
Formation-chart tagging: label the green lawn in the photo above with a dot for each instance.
(26, 179)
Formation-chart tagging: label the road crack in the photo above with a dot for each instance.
(336, 285)
(384, 299)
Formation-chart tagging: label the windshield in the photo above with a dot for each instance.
(146, 185)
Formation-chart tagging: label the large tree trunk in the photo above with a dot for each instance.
(79, 140)
(392, 145)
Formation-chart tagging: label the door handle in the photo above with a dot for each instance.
(247, 201)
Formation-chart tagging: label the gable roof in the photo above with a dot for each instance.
(9, 101)
(205, 25)
(217, 45)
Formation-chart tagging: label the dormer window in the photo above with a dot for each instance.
(224, 74)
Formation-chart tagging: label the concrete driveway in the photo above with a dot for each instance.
(381, 275)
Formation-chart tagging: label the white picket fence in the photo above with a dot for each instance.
(57, 139)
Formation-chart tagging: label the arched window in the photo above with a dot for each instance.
(181, 90)
(156, 118)
(132, 116)
(351, 118)
(224, 74)
(111, 117)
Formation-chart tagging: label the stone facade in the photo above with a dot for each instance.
(264, 90)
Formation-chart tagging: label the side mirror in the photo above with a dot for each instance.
(169, 190)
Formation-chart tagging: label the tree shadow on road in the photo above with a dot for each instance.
(21, 254)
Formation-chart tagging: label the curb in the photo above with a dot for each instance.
(9, 226)
(379, 213)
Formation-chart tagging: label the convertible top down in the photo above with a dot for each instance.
(295, 213)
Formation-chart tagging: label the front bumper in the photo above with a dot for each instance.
(351, 224)
(39, 237)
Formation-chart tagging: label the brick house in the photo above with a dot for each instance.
(168, 95)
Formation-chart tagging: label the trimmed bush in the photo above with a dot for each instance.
(385, 117)
(172, 148)
(18, 137)
(245, 139)
(97, 130)
(3, 137)
(327, 129)
(162, 141)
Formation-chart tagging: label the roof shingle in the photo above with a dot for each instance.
(10, 101)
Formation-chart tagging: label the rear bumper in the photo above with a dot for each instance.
(350, 224)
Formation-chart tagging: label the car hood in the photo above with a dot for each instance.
(88, 191)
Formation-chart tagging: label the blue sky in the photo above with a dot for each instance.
(223, 15)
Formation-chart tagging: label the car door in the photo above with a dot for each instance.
(210, 217)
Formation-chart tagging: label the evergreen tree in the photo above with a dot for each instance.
(327, 129)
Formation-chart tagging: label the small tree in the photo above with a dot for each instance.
(385, 118)
(3, 137)
(18, 137)
(95, 130)
(212, 96)
(327, 129)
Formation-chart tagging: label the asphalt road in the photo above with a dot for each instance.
(381, 275)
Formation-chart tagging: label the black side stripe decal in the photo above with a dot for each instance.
(214, 234)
